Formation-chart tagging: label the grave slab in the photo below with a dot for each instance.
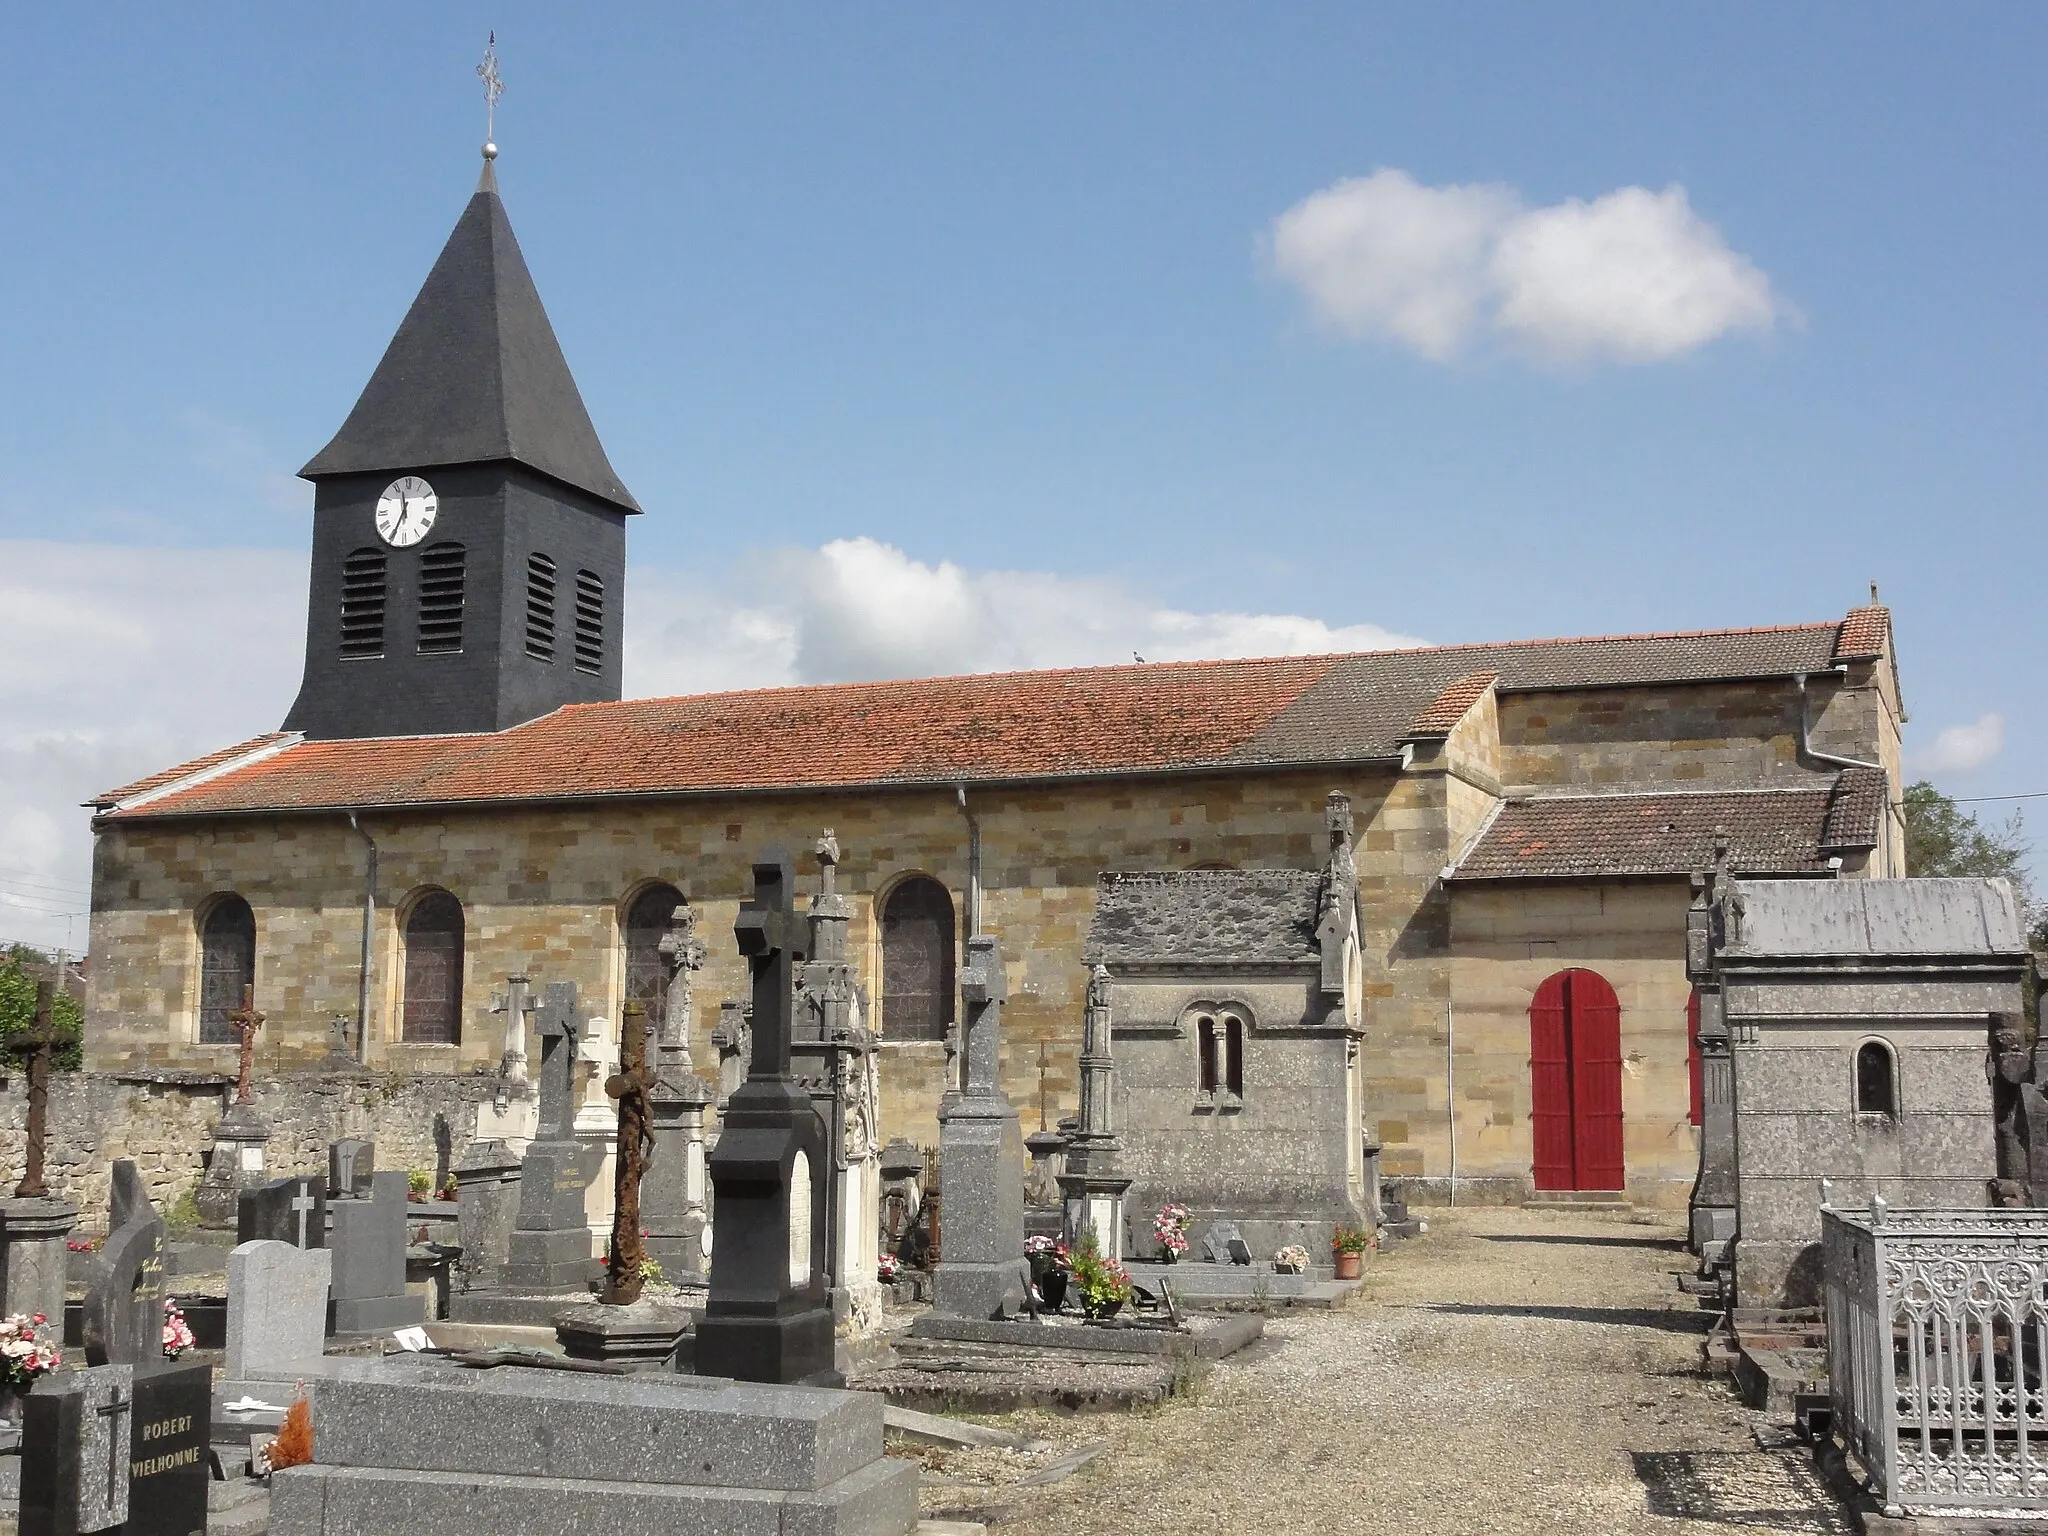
(1210, 1339)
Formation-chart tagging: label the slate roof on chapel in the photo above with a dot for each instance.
(1167, 717)
(1205, 916)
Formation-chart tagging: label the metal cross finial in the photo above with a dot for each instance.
(494, 87)
(246, 1021)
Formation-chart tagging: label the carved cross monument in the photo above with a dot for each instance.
(767, 1318)
(549, 1249)
(672, 1205)
(1093, 1183)
(629, 1087)
(240, 1134)
(36, 1045)
(982, 1272)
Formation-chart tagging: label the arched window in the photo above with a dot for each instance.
(1219, 1059)
(433, 971)
(227, 966)
(647, 921)
(441, 597)
(1876, 1080)
(917, 960)
(589, 622)
(362, 603)
(540, 607)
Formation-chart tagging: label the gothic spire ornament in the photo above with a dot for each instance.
(494, 87)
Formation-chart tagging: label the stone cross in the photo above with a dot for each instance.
(115, 1407)
(559, 1032)
(629, 1087)
(684, 954)
(774, 940)
(35, 1046)
(983, 986)
(512, 1002)
(246, 1021)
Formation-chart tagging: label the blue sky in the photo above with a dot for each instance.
(1013, 290)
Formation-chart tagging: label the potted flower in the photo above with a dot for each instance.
(887, 1266)
(1103, 1285)
(1170, 1228)
(1348, 1245)
(177, 1332)
(1048, 1258)
(27, 1350)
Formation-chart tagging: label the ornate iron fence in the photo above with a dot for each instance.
(1938, 1356)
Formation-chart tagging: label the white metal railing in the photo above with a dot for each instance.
(1938, 1355)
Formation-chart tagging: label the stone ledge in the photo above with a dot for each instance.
(1210, 1339)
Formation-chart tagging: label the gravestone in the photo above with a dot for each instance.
(1093, 1182)
(767, 1317)
(368, 1247)
(672, 1198)
(487, 1201)
(1216, 1241)
(982, 1272)
(124, 1302)
(75, 1452)
(277, 1309)
(284, 1211)
(167, 1461)
(549, 1250)
(350, 1165)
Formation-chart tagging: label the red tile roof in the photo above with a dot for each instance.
(1023, 726)
(1856, 809)
(1772, 832)
(196, 766)
(1864, 633)
(1448, 708)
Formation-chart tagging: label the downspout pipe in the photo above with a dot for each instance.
(973, 862)
(1807, 752)
(369, 927)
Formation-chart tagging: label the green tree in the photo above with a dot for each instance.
(20, 966)
(1944, 839)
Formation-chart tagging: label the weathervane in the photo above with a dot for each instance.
(494, 87)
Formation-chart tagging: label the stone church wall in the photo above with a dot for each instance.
(1694, 736)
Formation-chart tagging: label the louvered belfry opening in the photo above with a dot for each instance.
(227, 966)
(540, 607)
(433, 971)
(441, 580)
(362, 603)
(589, 622)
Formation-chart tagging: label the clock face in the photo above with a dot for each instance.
(406, 511)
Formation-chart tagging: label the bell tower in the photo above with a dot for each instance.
(469, 533)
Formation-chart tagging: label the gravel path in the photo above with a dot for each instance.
(1512, 1371)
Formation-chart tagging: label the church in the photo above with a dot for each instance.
(460, 793)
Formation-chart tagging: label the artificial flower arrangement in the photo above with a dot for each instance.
(1170, 1227)
(177, 1332)
(886, 1268)
(25, 1351)
(1291, 1260)
(1103, 1284)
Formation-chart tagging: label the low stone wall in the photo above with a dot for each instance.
(165, 1120)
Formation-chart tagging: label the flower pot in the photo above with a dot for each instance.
(1349, 1265)
(1169, 1255)
(1052, 1285)
(1102, 1311)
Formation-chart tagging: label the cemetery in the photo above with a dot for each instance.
(1493, 1087)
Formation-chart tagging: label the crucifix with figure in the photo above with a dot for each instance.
(36, 1046)
(767, 1317)
(246, 1021)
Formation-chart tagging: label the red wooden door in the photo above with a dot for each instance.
(1550, 1084)
(1575, 1083)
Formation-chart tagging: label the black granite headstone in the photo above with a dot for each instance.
(284, 1211)
(350, 1167)
(124, 1310)
(167, 1463)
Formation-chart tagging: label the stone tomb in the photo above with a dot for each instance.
(409, 1444)
(121, 1448)
(1859, 1017)
(368, 1247)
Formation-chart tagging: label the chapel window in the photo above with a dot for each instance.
(917, 960)
(1876, 1079)
(540, 607)
(441, 578)
(362, 603)
(227, 967)
(589, 622)
(1219, 1060)
(433, 971)
(647, 921)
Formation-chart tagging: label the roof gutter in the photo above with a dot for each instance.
(369, 926)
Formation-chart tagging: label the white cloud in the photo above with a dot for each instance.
(1632, 276)
(1961, 747)
(118, 661)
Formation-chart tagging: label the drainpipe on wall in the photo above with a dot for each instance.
(1451, 1089)
(1807, 750)
(973, 863)
(369, 927)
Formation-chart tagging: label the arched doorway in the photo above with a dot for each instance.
(1575, 1082)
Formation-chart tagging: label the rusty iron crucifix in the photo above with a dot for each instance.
(629, 1086)
(246, 1021)
(36, 1045)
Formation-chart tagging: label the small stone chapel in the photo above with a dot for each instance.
(460, 794)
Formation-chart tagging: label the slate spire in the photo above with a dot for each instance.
(475, 375)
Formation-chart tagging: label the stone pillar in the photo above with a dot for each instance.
(33, 1256)
(673, 1208)
(982, 1271)
(833, 1056)
(487, 1202)
(1093, 1183)
(1713, 1190)
(236, 1165)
